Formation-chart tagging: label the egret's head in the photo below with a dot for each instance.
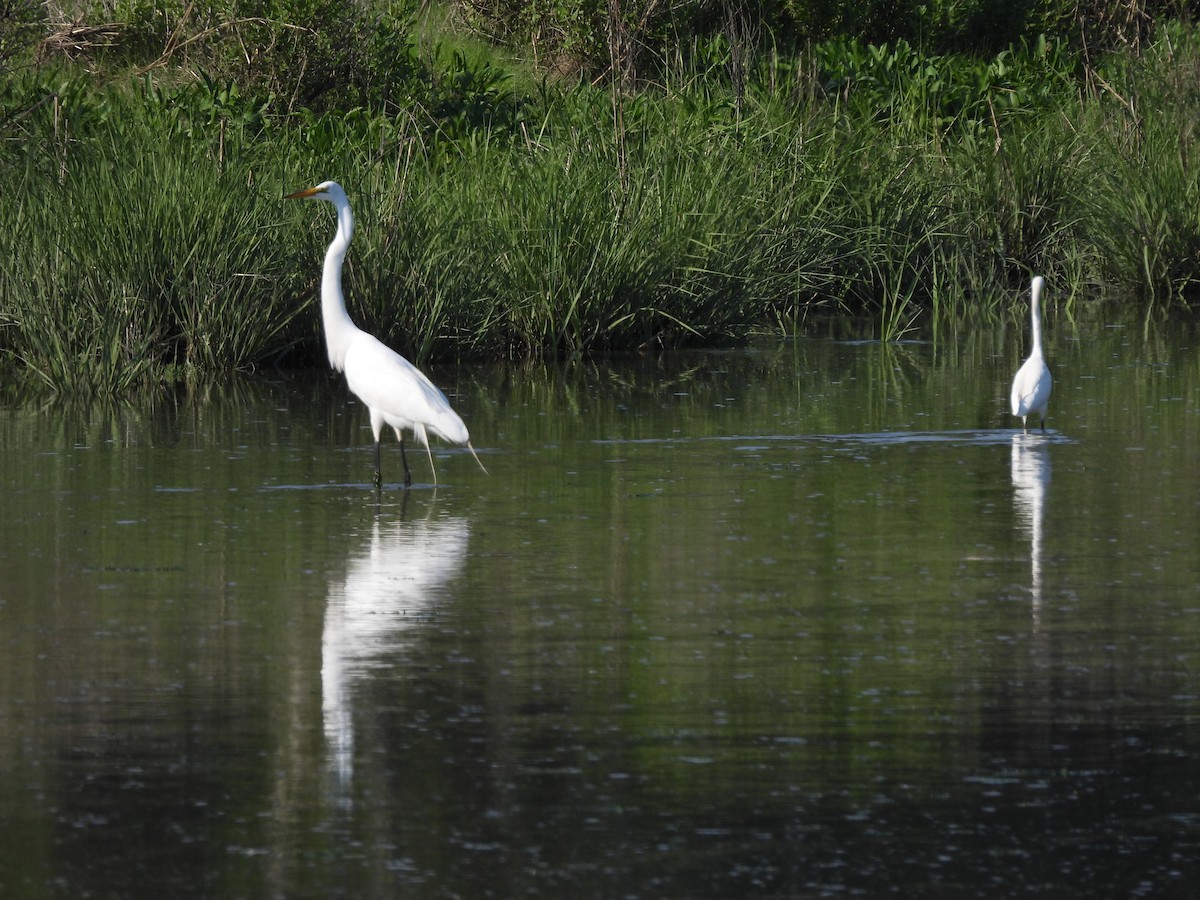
(1035, 288)
(329, 191)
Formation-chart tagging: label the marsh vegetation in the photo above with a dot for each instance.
(600, 178)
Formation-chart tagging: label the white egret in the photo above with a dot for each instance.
(1031, 386)
(395, 391)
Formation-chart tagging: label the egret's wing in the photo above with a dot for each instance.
(389, 384)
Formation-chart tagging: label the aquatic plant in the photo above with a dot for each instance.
(135, 243)
(145, 238)
(1142, 204)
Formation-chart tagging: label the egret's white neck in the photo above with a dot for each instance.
(1035, 312)
(339, 328)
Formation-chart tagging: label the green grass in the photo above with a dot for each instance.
(143, 236)
(131, 252)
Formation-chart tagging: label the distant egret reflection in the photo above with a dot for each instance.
(1030, 478)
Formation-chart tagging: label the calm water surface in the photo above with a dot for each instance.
(799, 621)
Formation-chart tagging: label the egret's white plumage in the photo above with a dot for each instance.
(396, 392)
(1031, 386)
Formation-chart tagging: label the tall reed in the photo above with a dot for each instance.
(130, 250)
(1143, 202)
(143, 234)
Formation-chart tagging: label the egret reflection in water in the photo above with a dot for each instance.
(1030, 477)
(388, 590)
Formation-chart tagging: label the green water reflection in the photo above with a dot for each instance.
(790, 621)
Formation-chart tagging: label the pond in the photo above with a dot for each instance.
(807, 619)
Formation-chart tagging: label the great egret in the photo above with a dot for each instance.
(395, 391)
(1031, 386)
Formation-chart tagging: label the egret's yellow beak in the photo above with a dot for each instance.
(304, 194)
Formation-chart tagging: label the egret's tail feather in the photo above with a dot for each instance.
(432, 468)
(423, 437)
(476, 455)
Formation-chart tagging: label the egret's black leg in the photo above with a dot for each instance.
(378, 475)
(404, 458)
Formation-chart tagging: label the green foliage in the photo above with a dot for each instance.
(318, 54)
(900, 86)
(20, 24)
(607, 39)
(124, 256)
(144, 233)
(1021, 199)
(1144, 196)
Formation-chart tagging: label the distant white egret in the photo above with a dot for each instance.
(1031, 386)
(395, 391)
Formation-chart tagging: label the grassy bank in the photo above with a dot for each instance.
(142, 235)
